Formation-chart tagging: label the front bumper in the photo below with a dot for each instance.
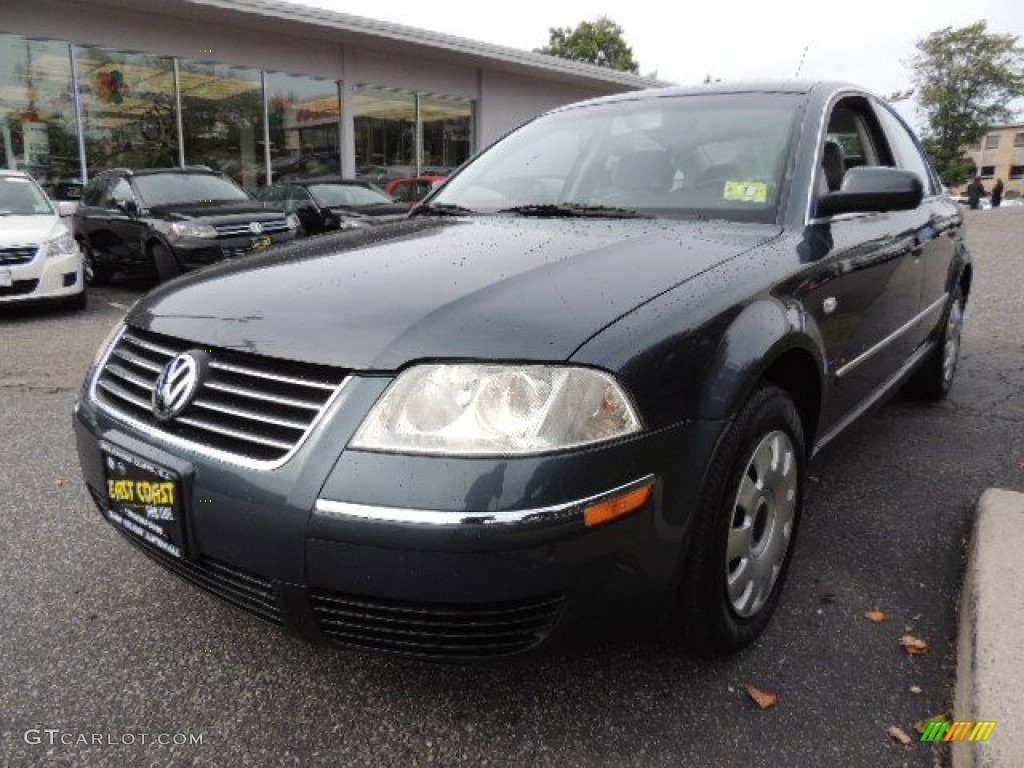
(54, 277)
(452, 558)
(195, 252)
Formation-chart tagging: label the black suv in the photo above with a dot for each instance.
(167, 220)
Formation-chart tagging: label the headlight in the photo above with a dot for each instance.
(293, 221)
(472, 409)
(182, 229)
(60, 245)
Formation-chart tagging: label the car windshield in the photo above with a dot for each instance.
(329, 195)
(715, 155)
(181, 188)
(20, 196)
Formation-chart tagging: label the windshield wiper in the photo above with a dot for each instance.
(575, 210)
(441, 209)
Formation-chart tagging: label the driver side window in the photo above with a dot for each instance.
(853, 138)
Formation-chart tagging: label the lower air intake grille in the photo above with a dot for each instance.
(435, 630)
(242, 589)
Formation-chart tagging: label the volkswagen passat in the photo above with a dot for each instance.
(573, 395)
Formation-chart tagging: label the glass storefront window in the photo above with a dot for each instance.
(385, 133)
(303, 114)
(222, 120)
(128, 109)
(37, 114)
(447, 134)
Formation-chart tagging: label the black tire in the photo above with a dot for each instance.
(751, 504)
(164, 263)
(96, 274)
(934, 378)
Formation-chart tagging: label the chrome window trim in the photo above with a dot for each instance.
(840, 372)
(571, 511)
(199, 448)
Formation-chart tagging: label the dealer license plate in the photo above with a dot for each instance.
(260, 242)
(144, 499)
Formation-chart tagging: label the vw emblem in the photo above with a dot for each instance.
(176, 386)
(255, 227)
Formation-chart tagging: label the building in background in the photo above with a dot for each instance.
(259, 90)
(1000, 155)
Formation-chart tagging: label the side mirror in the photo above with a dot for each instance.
(129, 207)
(873, 190)
(66, 208)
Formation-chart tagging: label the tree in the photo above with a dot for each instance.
(598, 42)
(965, 78)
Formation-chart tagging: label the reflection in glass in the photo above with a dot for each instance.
(222, 120)
(303, 115)
(128, 109)
(385, 128)
(37, 114)
(447, 134)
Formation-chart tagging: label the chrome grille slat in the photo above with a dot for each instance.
(130, 377)
(239, 392)
(244, 371)
(250, 415)
(208, 426)
(136, 360)
(266, 228)
(122, 394)
(248, 408)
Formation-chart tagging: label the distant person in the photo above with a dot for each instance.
(975, 191)
(997, 193)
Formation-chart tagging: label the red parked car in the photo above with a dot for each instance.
(414, 189)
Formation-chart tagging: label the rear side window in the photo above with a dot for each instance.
(93, 194)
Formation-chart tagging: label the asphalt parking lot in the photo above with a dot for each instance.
(105, 655)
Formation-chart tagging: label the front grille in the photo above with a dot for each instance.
(252, 407)
(19, 288)
(242, 589)
(12, 257)
(242, 230)
(435, 630)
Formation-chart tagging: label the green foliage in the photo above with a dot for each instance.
(965, 78)
(598, 42)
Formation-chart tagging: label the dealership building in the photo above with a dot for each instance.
(258, 90)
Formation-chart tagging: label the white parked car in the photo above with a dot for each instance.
(39, 259)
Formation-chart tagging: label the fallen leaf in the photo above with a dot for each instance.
(915, 646)
(915, 689)
(876, 616)
(899, 735)
(1020, 464)
(922, 725)
(59, 482)
(763, 699)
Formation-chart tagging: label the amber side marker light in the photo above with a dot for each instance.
(606, 511)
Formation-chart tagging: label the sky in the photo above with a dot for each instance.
(868, 42)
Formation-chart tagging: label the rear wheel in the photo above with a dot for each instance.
(96, 274)
(935, 378)
(745, 528)
(166, 265)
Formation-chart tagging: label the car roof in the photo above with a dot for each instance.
(799, 87)
(15, 174)
(327, 180)
(200, 169)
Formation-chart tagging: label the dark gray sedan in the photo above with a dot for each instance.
(574, 395)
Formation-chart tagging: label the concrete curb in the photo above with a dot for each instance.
(990, 659)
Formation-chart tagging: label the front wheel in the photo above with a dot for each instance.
(96, 273)
(164, 263)
(745, 528)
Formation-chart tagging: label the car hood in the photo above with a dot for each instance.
(494, 287)
(183, 211)
(28, 230)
